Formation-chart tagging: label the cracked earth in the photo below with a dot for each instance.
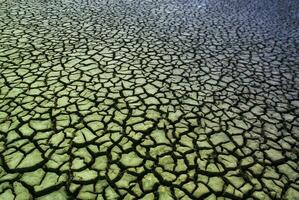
(149, 99)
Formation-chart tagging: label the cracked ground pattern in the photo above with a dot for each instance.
(149, 99)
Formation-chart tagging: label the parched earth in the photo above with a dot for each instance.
(149, 99)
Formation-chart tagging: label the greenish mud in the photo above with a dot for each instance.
(144, 99)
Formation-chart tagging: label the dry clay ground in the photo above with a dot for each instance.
(149, 99)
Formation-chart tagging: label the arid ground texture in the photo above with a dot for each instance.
(149, 99)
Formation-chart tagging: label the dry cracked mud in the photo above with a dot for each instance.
(149, 99)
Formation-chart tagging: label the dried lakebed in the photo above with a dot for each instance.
(149, 99)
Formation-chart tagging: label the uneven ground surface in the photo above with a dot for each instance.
(149, 99)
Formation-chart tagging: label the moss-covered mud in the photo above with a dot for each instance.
(144, 99)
